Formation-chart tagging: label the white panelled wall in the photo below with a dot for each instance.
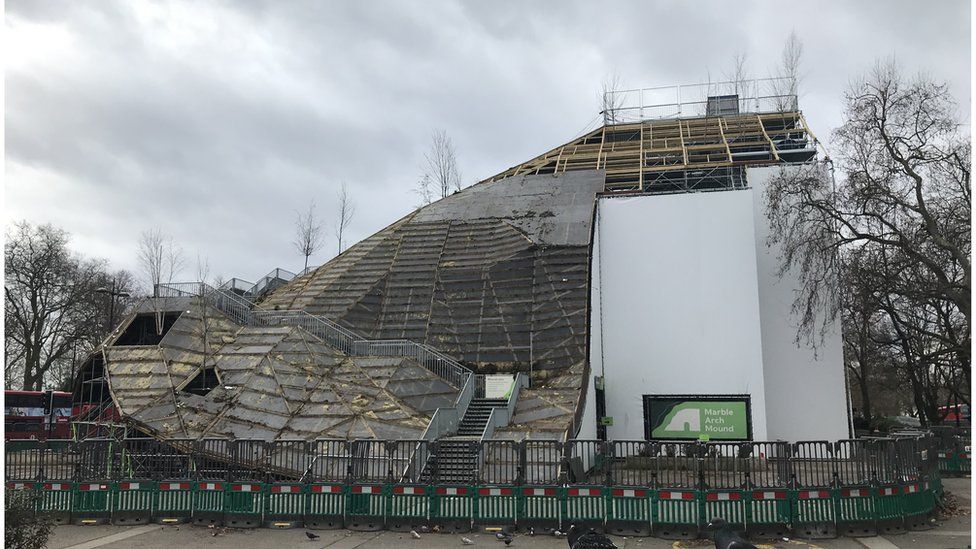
(685, 300)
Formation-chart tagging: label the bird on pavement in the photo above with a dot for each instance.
(580, 538)
(311, 536)
(466, 541)
(507, 538)
(725, 537)
(414, 534)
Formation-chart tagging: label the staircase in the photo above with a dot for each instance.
(457, 455)
(476, 417)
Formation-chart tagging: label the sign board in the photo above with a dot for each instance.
(499, 385)
(697, 417)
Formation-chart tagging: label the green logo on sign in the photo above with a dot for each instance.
(704, 420)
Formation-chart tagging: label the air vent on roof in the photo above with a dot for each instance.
(721, 105)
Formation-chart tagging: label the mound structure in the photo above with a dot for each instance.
(602, 270)
(495, 276)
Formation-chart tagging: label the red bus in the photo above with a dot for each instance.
(958, 413)
(36, 414)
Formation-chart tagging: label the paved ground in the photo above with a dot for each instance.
(953, 532)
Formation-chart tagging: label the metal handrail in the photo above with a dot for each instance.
(247, 313)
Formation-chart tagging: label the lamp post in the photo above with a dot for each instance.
(113, 293)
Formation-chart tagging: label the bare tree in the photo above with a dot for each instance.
(50, 308)
(904, 201)
(346, 210)
(440, 170)
(160, 257)
(610, 98)
(738, 74)
(787, 74)
(425, 188)
(308, 232)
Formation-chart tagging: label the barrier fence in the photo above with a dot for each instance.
(666, 489)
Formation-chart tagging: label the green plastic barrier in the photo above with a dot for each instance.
(132, 501)
(496, 505)
(452, 508)
(889, 509)
(727, 504)
(856, 515)
(285, 505)
(244, 504)
(173, 502)
(208, 503)
(366, 507)
(586, 504)
(326, 506)
(917, 505)
(540, 507)
(629, 511)
(814, 513)
(408, 507)
(91, 503)
(768, 513)
(676, 514)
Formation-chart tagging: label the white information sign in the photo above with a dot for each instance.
(498, 385)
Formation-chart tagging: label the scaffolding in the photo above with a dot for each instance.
(680, 154)
(686, 138)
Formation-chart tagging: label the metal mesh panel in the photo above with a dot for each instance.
(500, 462)
(588, 461)
(249, 460)
(98, 459)
(146, 458)
(677, 464)
(543, 460)
(634, 462)
(813, 463)
(330, 461)
(24, 459)
(288, 459)
(726, 464)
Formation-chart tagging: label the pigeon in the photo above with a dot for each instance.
(435, 529)
(724, 537)
(531, 531)
(311, 536)
(466, 541)
(414, 534)
(507, 538)
(591, 539)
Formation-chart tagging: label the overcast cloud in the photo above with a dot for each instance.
(217, 120)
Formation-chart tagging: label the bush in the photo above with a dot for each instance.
(23, 528)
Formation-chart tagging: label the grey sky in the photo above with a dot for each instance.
(217, 120)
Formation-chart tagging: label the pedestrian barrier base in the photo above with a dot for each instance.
(917, 523)
(406, 524)
(628, 528)
(323, 522)
(89, 521)
(768, 530)
(675, 531)
(815, 530)
(857, 529)
(171, 520)
(364, 524)
(203, 518)
(242, 521)
(120, 518)
(891, 526)
(453, 526)
(59, 519)
(283, 524)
